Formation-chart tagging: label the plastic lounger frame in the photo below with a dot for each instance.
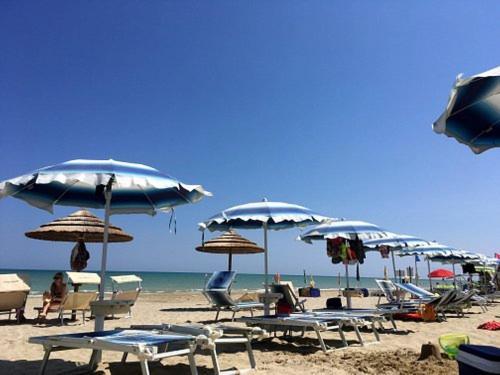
(318, 323)
(145, 353)
(218, 335)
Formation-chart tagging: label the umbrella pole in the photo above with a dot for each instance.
(454, 277)
(429, 271)
(266, 272)
(230, 262)
(416, 279)
(99, 320)
(393, 265)
(348, 295)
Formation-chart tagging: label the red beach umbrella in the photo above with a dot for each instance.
(441, 273)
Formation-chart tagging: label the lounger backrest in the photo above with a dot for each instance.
(415, 290)
(287, 290)
(126, 295)
(78, 301)
(387, 287)
(220, 298)
(446, 298)
(12, 300)
(220, 280)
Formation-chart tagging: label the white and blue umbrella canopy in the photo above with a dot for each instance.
(137, 188)
(117, 187)
(472, 115)
(263, 215)
(457, 256)
(257, 215)
(348, 229)
(396, 241)
(430, 250)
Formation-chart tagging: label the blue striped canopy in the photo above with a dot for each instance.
(343, 228)
(276, 215)
(438, 252)
(396, 241)
(136, 188)
(457, 256)
(472, 115)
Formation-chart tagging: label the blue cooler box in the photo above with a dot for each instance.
(478, 360)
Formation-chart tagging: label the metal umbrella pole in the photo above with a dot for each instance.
(230, 262)
(454, 277)
(348, 294)
(416, 273)
(99, 320)
(429, 271)
(393, 265)
(266, 271)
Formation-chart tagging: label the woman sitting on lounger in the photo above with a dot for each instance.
(53, 298)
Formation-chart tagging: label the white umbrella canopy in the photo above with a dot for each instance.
(115, 186)
(347, 229)
(263, 215)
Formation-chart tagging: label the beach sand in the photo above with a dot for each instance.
(395, 354)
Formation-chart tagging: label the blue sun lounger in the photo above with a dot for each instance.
(317, 322)
(418, 292)
(217, 291)
(145, 345)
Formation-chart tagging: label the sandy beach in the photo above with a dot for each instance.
(396, 353)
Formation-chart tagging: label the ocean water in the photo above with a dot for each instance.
(154, 282)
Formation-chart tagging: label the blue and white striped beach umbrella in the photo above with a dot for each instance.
(472, 115)
(347, 229)
(263, 215)
(137, 188)
(396, 242)
(117, 187)
(437, 252)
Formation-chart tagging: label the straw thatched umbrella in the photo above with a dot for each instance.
(230, 243)
(79, 226)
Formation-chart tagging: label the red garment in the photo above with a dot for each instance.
(490, 326)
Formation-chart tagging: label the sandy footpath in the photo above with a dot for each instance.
(395, 354)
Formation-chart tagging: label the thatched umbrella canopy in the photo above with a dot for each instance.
(79, 226)
(230, 243)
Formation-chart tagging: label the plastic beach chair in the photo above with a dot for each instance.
(287, 290)
(73, 301)
(130, 295)
(217, 291)
(13, 294)
(147, 346)
(451, 341)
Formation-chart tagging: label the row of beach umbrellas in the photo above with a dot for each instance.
(472, 116)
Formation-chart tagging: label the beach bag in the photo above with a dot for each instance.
(334, 303)
(283, 307)
(79, 257)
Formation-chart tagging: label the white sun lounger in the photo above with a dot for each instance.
(145, 345)
(316, 322)
(218, 335)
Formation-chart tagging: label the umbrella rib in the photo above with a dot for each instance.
(65, 191)
(485, 131)
(148, 199)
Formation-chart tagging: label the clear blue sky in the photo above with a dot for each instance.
(326, 104)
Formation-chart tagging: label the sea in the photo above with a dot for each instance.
(159, 282)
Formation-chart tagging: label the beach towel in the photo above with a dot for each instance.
(490, 326)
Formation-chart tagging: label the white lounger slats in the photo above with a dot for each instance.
(145, 345)
(218, 335)
(318, 322)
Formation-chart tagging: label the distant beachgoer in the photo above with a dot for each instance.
(54, 298)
